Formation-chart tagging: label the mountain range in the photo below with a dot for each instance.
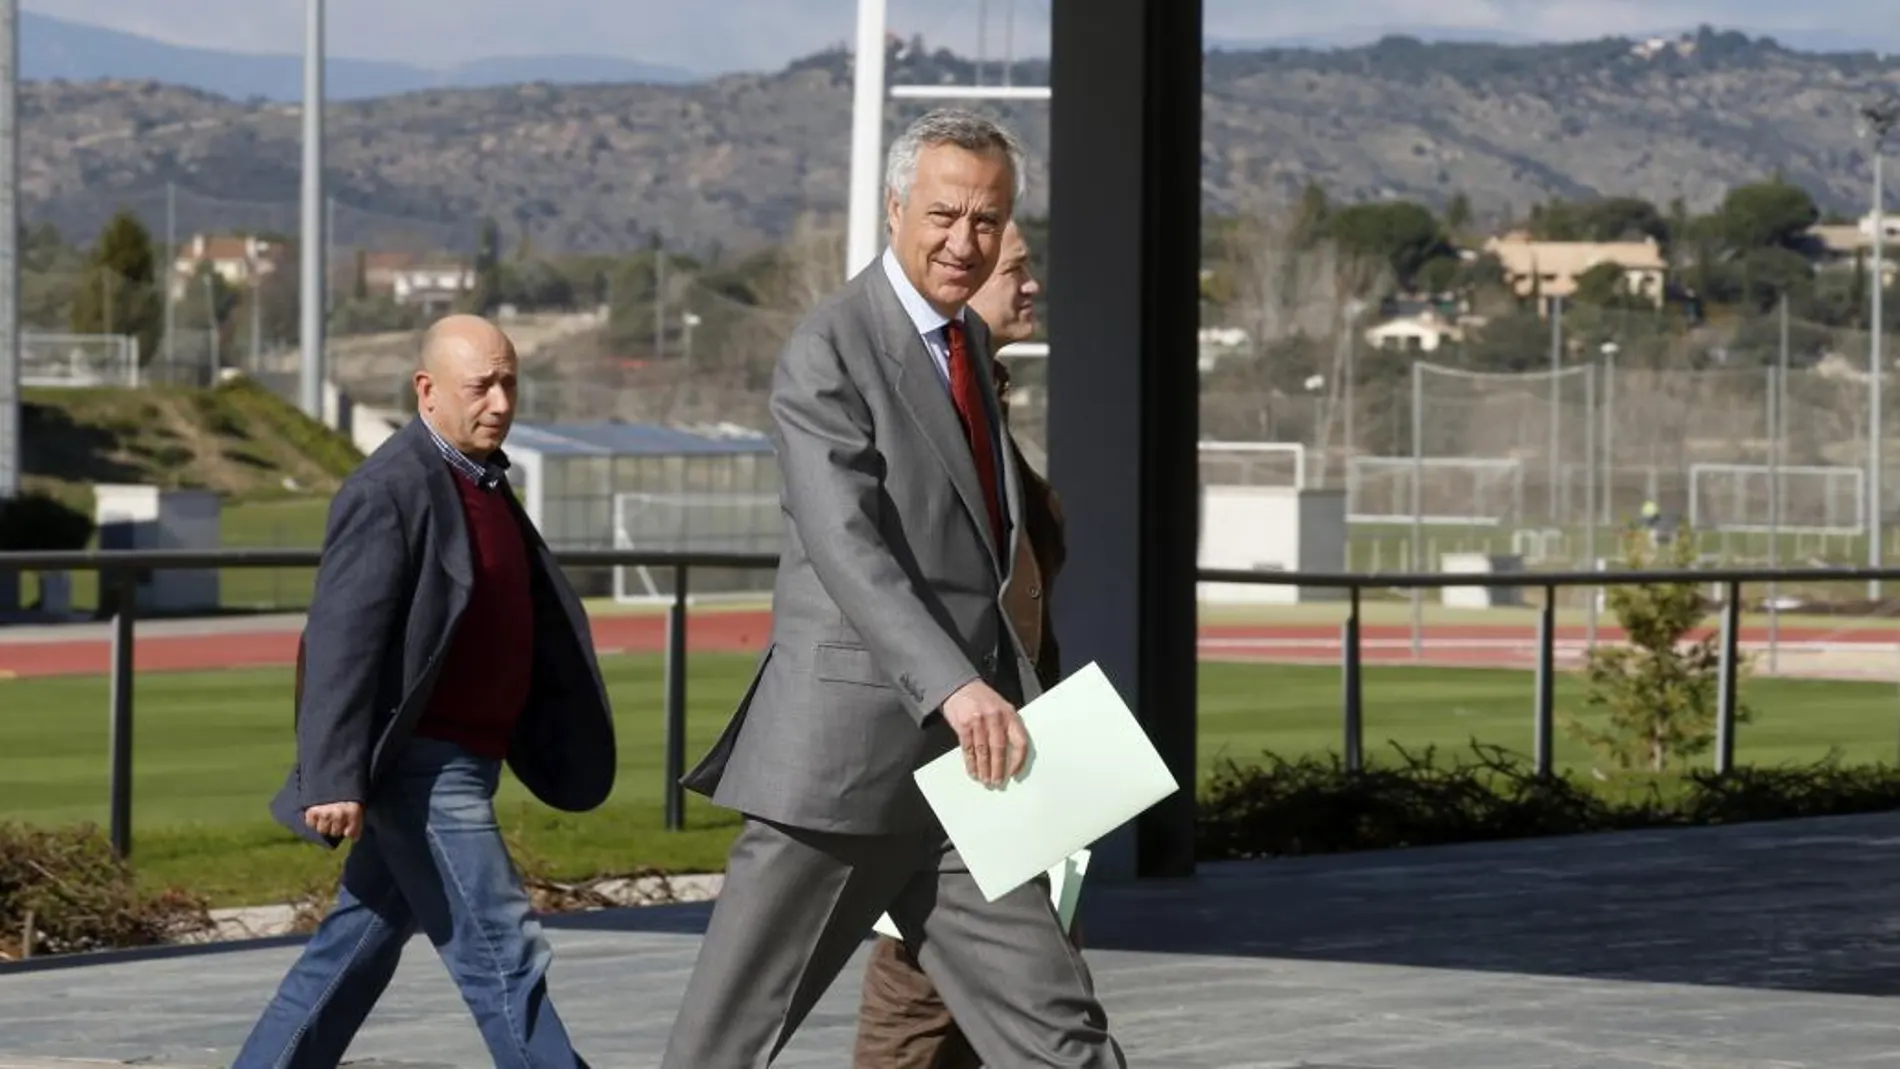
(731, 161)
(56, 48)
(53, 48)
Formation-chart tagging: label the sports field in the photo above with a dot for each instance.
(212, 745)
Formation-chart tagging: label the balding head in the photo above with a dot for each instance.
(465, 383)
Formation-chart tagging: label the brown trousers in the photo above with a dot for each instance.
(903, 1023)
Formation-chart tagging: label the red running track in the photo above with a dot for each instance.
(745, 632)
(709, 632)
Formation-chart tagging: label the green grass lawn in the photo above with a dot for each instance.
(297, 522)
(211, 748)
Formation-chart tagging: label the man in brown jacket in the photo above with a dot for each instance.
(903, 1022)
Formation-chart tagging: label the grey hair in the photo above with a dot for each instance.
(951, 126)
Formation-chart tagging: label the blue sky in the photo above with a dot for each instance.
(765, 33)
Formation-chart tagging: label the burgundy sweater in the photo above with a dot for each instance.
(483, 684)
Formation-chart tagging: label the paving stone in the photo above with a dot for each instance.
(1757, 947)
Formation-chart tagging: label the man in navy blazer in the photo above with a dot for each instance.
(442, 642)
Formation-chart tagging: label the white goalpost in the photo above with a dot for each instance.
(1253, 464)
(704, 522)
(78, 360)
(1453, 492)
(1814, 499)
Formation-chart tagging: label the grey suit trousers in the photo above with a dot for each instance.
(797, 903)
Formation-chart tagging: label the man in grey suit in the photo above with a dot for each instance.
(442, 642)
(890, 645)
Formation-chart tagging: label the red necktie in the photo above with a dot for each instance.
(967, 394)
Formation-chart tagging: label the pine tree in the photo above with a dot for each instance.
(1657, 688)
(1458, 213)
(487, 292)
(120, 292)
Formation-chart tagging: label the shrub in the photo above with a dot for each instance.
(1314, 805)
(62, 892)
(37, 521)
(1659, 689)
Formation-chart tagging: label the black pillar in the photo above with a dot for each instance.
(1124, 391)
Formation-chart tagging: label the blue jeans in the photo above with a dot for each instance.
(431, 859)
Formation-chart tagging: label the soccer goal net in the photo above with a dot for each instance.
(1253, 464)
(1814, 500)
(1452, 491)
(712, 522)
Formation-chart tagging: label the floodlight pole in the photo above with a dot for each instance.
(9, 252)
(311, 251)
(1877, 122)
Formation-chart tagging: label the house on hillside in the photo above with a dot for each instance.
(1836, 247)
(1421, 332)
(241, 260)
(1547, 270)
(432, 283)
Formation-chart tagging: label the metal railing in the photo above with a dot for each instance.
(121, 571)
(1730, 580)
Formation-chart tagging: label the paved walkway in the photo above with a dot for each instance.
(1756, 947)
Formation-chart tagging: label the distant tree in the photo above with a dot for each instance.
(1657, 687)
(119, 293)
(1311, 217)
(1624, 219)
(1458, 212)
(1403, 234)
(536, 284)
(39, 245)
(51, 276)
(1772, 214)
(486, 293)
(1516, 341)
(524, 240)
(1768, 273)
(1603, 219)
(1556, 220)
(206, 303)
(1485, 272)
(1439, 275)
(1602, 286)
(280, 301)
(1679, 221)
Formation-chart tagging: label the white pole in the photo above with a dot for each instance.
(1009, 42)
(170, 273)
(312, 239)
(1556, 410)
(1590, 490)
(1876, 371)
(1418, 506)
(982, 37)
(216, 362)
(1778, 455)
(867, 140)
(10, 447)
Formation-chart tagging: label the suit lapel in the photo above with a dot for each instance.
(448, 527)
(926, 399)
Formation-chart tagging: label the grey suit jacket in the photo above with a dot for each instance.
(889, 593)
(391, 589)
